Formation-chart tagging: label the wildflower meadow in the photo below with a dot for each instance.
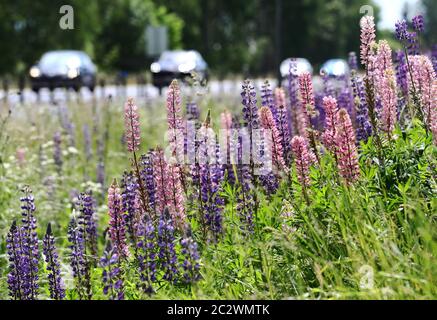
(287, 192)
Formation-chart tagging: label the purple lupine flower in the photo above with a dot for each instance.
(29, 241)
(293, 89)
(87, 142)
(364, 128)
(346, 100)
(284, 132)
(250, 115)
(352, 61)
(87, 221)
(401, 30)
(190, 253)
(117, 225)
(16, 275)
(57, 150)
(147, 257)
(78, 261)
(245, 200)
(408, 39)
(267, 99)
(193, 112)
(112, 276)
(434, 57)
(148, 178)
(67, 124)
(418, 24)
(167, 253)
(130, 203)
(401, 71)
(56, 285)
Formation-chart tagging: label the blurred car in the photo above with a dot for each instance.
(178, 64)
(302, 65)
(63, 69)
(335, 68)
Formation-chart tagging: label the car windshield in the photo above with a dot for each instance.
(58, 59)
(177, 57)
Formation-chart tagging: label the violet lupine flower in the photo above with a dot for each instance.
(147, 175)
(130, 203)
(56, 285)
(112, 276)
(250, 115)
(132, 126)
(267, 99)
(87, 142)
(364, 128)
(388, 98)
(347, 155)
(78, 261)
(303, 158)
(267, 178)
(401, 72)
(367, 37)
(401, 30)
(284, 133)
(29, 245)
(191, 257)
(147, 257)
(87, 221)
(167, 253)
(273, 137)
(193, 112)
(16, 275)
(352, 61)
(408, 39)
(57, 150)
(330, 106)
(293, 89)
(117, 226)
(245, 200)
(418, 24)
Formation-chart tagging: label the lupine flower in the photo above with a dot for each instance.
(176, 195)
(424, 78)
(148, 178)
(388, 98)
(284, 132)
(193, 112)
(67, 124)
(267, 99)
(418, 24)
(57, 150)
(174, 121)
(245, 201)
(434, 57)
(302, 158)
(347, 155)
(87, 221)
(401, 72)
(307, 95)
(280, 98)
(293, 89)
(250, 114)
(273, 137)
(401, 30)
(161, 174)
(130, 203)
(352, 61)
(330, 106)
(117, 226)
(112, 274)
(87, 142)
(367, 37)
(191, 257)
(226, 126)
(132, 126)
(408, 39)
(78, 260)
(29, 246)
(364, 128)
(383, 58)
(267, 178)
(56, 285)
(16, 275)
(167, 254)
(287, 215)
(147, 258)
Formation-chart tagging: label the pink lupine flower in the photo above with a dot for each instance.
(132, 125)
(280, 97)
(367, 37)
(307, 94)
(169, 193)
(268, 123)
(226, 120)
(347, 155)
(424, 78)
(433, 112)
(330, 107)
(174, 120)
(383, 57)
(117, 227)
(226, 125)
(388, 96)
(302, 159)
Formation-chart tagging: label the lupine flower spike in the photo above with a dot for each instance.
(56, 285)
(117, 227)
(302, 158)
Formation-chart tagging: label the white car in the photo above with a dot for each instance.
(301, 65)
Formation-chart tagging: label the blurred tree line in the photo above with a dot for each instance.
(234, 36)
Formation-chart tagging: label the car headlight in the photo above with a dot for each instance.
(155, 67)
(34, 72)
(72, 73)
(186, 67)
